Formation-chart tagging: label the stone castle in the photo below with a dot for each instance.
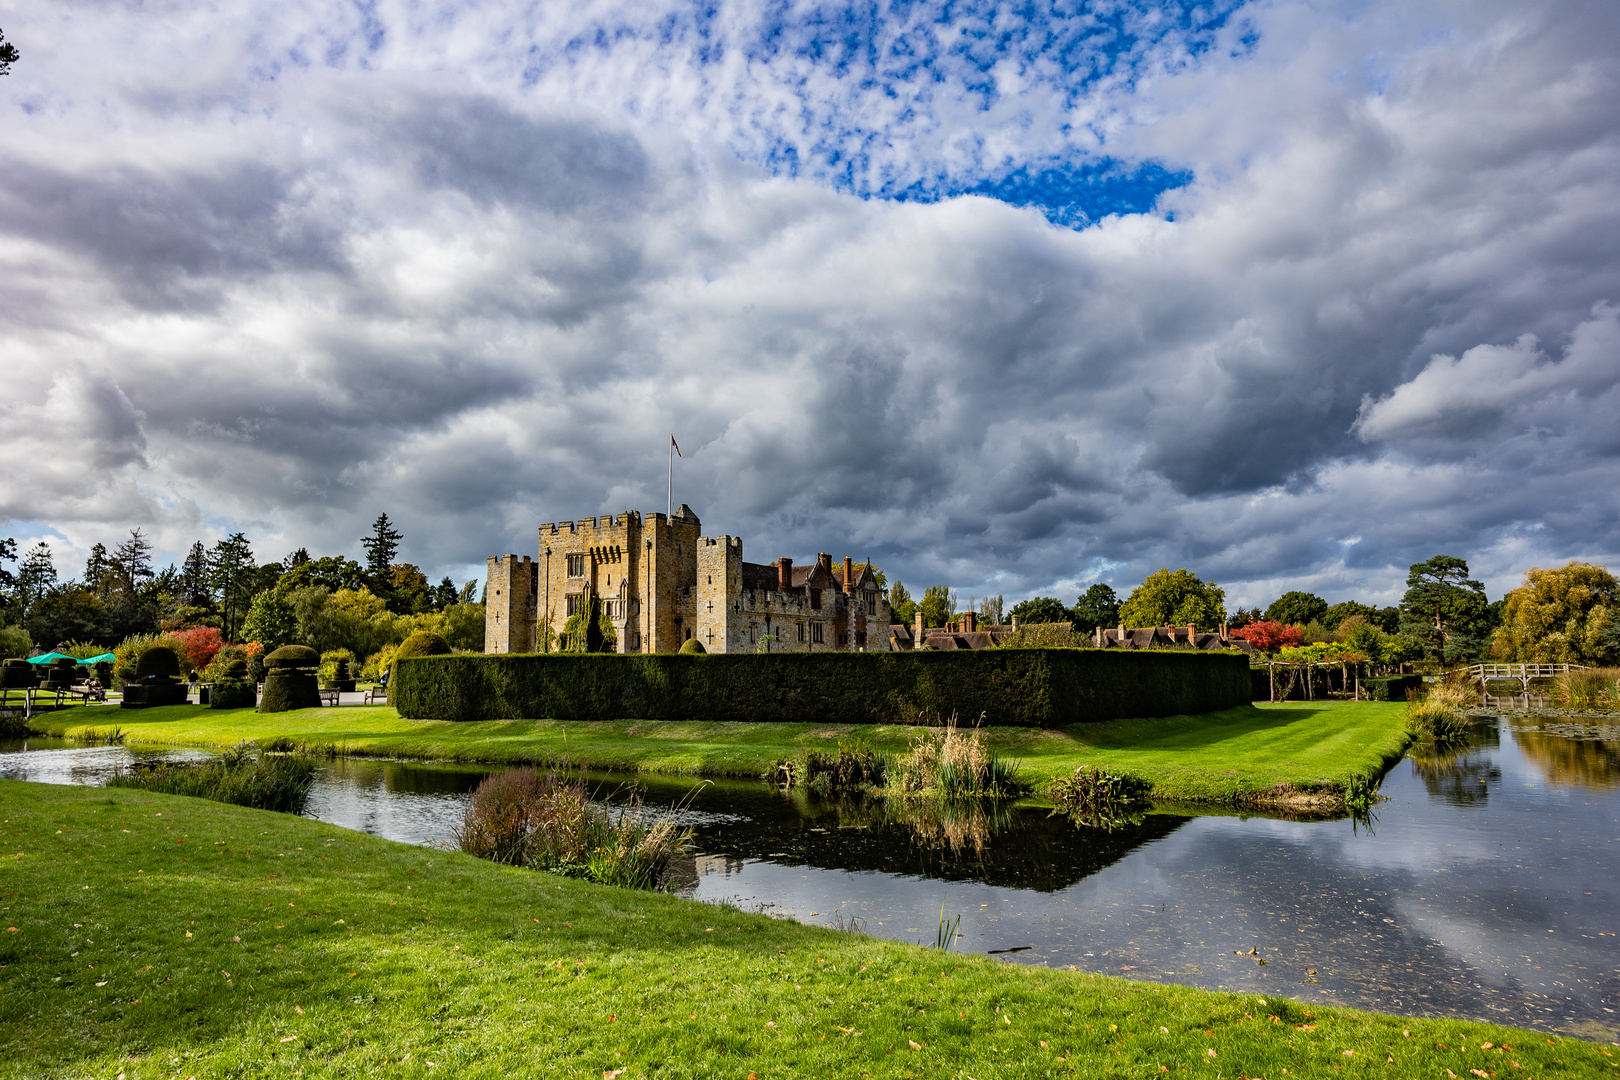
(660, 583)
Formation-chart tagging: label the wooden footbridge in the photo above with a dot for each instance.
(1519, 673)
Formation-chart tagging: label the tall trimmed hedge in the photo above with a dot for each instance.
(1030, 687)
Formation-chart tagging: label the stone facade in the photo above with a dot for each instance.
(661, 582)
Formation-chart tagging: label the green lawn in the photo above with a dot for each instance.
(1238, 754)
(150, 936)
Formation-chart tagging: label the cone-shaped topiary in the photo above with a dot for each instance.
(289, 681)
(692, 646)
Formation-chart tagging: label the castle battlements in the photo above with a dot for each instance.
(638, 582)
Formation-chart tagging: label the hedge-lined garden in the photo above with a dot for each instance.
(1027, 687)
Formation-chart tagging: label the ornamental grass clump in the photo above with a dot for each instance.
(1098, 798)
(241, 776)
(1441, 714)
(955, 763)
(1592, 688)
(547, 821)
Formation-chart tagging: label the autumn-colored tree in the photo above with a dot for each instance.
(1268, 637)
(1570, 615)
(198, 645)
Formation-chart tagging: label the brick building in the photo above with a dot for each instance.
(659, 582)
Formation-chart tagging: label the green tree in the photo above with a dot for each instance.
(1175, 598)
(1334, 617)
(230, 575)
(1570, 615)
(463, 626)
(8, 54)
(35, 577)
(408, 590)
(332, 572)
(271, 621)
(938, 605)
(1040, 609)
(1297, 608)
(194, 589)
(903, 607)
(381, 547)
(445, 594)
(1097, 606)
(992, 610)
(1444, 608)
(69, 613)
(132, 561)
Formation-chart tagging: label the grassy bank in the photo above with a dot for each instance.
(157, 936)
(1249, 754)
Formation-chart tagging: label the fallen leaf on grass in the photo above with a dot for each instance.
(289, 1038)
(915, 1045)
(1211, 1052)
(609, 1074)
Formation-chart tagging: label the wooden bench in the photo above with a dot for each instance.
(329, 697)
(377, 695)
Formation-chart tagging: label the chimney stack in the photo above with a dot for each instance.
(849, 574)
(824, 561)
(969, 621)
(784, 574)
(917, 633)
(1192, 634)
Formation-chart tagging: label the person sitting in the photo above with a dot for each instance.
(94, 690)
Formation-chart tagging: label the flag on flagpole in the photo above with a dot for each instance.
(676, 445)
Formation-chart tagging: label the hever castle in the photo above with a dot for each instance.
(660, 582)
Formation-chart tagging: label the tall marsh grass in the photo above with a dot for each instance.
(547, 821)
(851, 767)
(956, 763)
(1441, 713)
(1594, 688)
(241, 776)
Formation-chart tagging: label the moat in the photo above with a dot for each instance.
(1483, 887)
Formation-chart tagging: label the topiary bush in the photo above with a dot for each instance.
(422, 643)
(337, 670)
(234, 689)
(17, 675)
(289, 680)
(59, 674)
(1033, 687)
(156, 680)
(692, 647)
(159, 660)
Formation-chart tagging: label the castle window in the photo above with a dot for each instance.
(801, 631)
(576, 566)
(815, 633)
(575, 602)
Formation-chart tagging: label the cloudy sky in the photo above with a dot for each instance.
(1014, 298)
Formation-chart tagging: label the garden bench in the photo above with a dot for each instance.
(377, 695)
(329, 697)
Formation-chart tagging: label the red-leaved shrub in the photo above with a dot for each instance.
(1268, 637)
(197, 645)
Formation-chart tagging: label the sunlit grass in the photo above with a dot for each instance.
(1218, 757)
(158, 936)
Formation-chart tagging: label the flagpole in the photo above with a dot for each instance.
(669, 508)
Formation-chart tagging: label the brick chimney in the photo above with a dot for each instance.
(917, 633)
(784, 574)
(969, 621)
(1192, 634)
(849, 574)
(824, 561)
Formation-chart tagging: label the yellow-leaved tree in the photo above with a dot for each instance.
(1562, 616)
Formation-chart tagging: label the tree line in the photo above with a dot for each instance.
(1569, 614)
(122, 593)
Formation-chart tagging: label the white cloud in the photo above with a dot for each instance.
(283, 266)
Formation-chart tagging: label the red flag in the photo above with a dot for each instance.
(677, 447)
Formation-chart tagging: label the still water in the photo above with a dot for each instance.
(1485, 886)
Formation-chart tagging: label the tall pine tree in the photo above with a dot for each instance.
(381, 547)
